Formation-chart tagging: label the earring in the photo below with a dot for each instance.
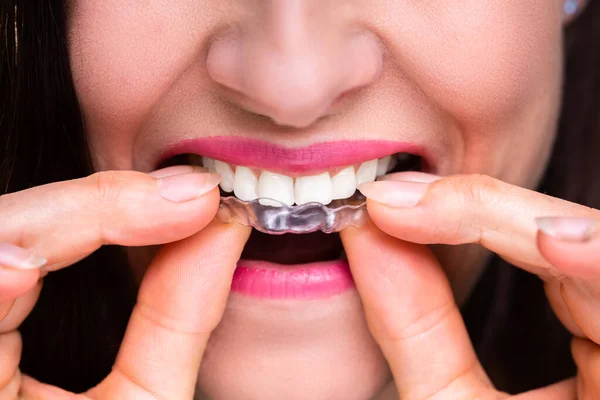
(571, 7)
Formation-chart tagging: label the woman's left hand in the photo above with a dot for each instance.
(407, 298)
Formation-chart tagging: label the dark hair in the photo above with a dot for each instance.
(73, 334)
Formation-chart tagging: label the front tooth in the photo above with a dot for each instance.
(208, 163)
(277, 187)
(313, 188)
(245, 184)
(343, 184)
(226, 173)
(366, 172)
(383, 164)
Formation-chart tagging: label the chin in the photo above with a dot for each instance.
(293, 349)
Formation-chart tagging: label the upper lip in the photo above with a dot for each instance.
(315, 158)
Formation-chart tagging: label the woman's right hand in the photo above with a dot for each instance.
(183, 292)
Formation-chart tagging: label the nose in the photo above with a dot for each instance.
(293, 60)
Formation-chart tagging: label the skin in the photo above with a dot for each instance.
(416, 74)
(477, 82)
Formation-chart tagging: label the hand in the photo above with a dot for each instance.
(182, 295)
(408, 300)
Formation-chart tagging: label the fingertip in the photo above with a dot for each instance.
(207, 207)
(400, 223)
(568, 229)
(370, 236)
(573, 258)
(387, 257)
(410, 176)
(131, 208)
(182, 188)
(160, 223)
(15, 283)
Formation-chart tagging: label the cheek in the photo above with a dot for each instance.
(493, 68)
(125, 56)
(482, 61)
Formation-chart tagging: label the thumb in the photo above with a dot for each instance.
(181, 301)
(412, 315)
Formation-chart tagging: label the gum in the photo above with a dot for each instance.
(307, 218)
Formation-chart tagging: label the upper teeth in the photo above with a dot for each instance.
(321, 188)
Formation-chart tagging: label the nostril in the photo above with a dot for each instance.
(296, 107)
(298, 116)
(346, 95)
(293, 82)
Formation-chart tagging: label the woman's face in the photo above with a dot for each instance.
(472, 86)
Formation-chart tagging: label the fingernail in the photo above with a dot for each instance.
(572, 229)
(394, 193)
(174, 170)
(410, 176)
(186, 187)
(17, 257)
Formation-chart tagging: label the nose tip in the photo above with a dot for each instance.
(293, 85)
(296, 91)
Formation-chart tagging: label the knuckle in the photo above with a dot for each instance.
(109, 186)
(140, 388)
(468, 384)
(466, 190)
(429, 321)
(473, 196)
(476, 189)
(108, 191)
(464, 200)
(170, 324)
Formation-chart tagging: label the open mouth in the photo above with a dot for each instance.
(295, 266)
(249, 183)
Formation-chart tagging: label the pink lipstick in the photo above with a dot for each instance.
(314, 158)
(306, 281)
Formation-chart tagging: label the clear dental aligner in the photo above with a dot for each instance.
(275, 218)
(275, 204)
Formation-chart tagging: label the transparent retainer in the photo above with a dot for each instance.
(278, 218)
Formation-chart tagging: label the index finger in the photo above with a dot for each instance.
(65, 221)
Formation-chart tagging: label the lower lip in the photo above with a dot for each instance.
(306, 281)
